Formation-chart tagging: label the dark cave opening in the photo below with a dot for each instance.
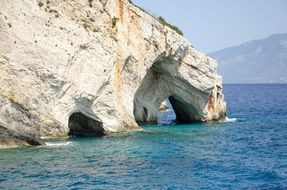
(185, 113)
(80, 124)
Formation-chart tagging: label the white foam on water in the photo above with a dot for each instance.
(59, 144)
(230, 120)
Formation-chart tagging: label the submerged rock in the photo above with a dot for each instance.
(107, 61)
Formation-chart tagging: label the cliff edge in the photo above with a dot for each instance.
(95, 66)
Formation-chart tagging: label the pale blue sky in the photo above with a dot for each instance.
(215, 24)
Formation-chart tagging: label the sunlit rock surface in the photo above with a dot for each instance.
(106, 61)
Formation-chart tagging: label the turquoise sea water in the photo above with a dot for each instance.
(250, 153)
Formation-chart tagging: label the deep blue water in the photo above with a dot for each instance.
(250, 153)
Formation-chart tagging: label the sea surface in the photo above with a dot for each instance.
(249, 151)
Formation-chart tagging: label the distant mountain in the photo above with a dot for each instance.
(259, 61)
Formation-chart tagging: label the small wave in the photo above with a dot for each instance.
(230, 120)
(58, 144)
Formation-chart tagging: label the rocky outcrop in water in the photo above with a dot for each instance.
(78, 67)
(10, 138)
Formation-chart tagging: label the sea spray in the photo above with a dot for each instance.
(230, 120)
(59, 144)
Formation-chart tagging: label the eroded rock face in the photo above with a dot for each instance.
(107, 60)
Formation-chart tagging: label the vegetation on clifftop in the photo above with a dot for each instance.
(161, 20)
(173, 27)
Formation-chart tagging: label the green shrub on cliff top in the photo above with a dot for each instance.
(161, 20)
(173, 27)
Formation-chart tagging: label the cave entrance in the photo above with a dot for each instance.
(166, 114)
(159, 84)
(80, 124)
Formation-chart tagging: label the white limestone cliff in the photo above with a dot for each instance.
(100, 66)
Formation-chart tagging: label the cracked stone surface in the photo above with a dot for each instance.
(107, 60)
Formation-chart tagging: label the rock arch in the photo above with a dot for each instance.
(164, 80)
(111, 77)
